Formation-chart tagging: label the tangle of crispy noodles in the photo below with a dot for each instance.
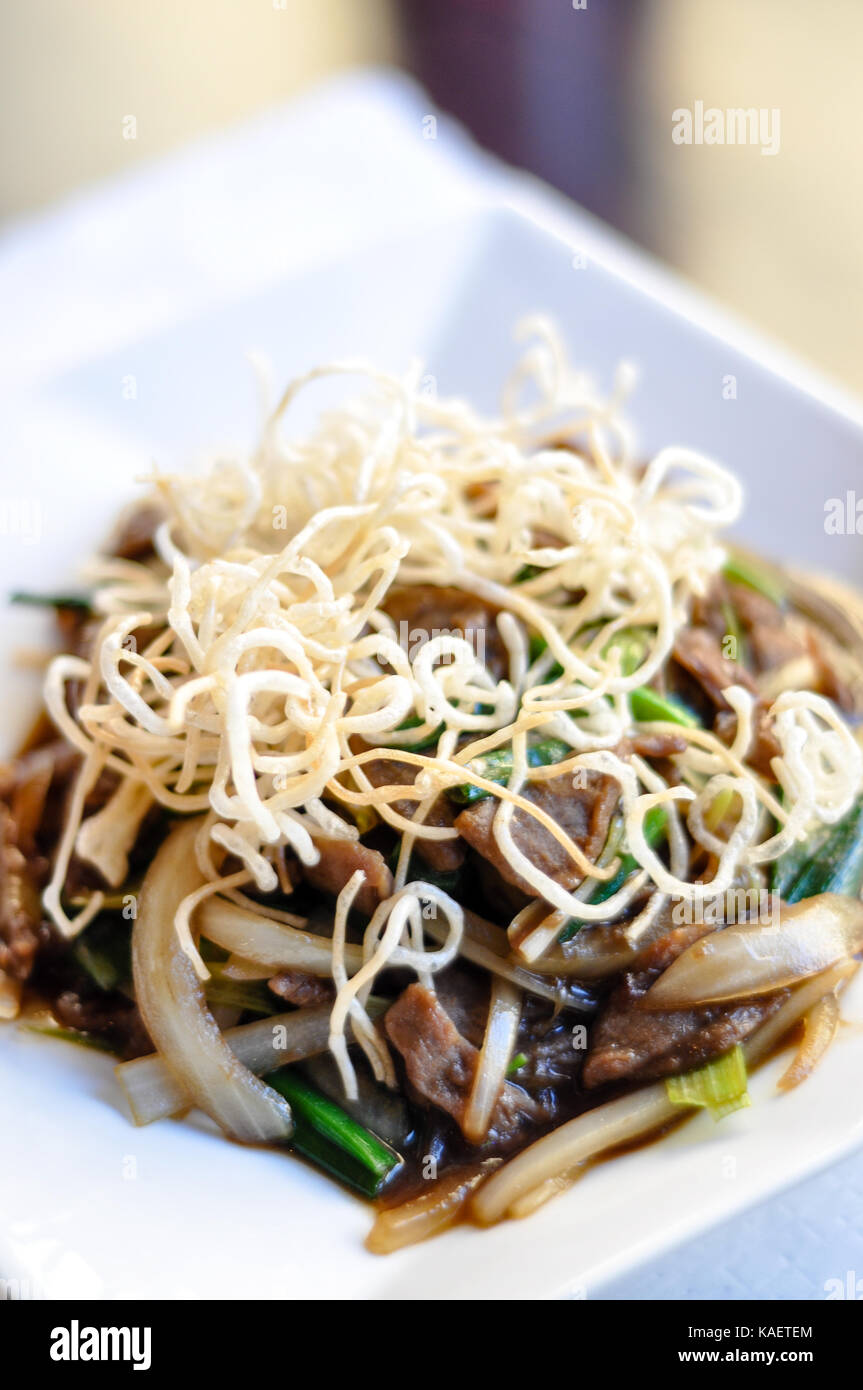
(269, 650)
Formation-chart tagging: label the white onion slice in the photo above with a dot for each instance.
(487, 945)
(425, 1216)
(175, 1013)
(594, 953)
(745, 960)
(236, 968)
(552, 1187)
(821, 1025)
(801, 1000)
(504, 1014)
(262, 1046)
(258, 938)
(616, 1122)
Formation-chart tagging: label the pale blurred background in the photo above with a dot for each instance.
(582, 96)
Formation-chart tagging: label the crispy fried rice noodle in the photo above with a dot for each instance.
(232, 672)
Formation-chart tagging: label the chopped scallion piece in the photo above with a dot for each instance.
(830, 861)
(654, 828)
(632, 643)
(252, 996)
(77, 601)
(496, 766)
(430, 741)
(71, 1035)
(720, 1086)
(516, 1064)
(648, 705)
(104, 949)
(327, 1135)
(740, 569)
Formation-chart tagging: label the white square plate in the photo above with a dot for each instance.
(90, 1206)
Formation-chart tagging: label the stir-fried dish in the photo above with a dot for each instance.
(439, 797)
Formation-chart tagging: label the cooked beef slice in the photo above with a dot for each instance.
(302, 989)
(629, 1042)
(20, 906)
(25, 790)
(583, 812)
(422, 611)
(443, 855)
(60, 981)
(777, 636)
(78, 629)
(463, 991)
(699, 652)
(764, 746)
(659, 745)
(112, 1017)
(35, 787)
(773, 636)
(133, 539)
(339, 860)
(441, 1063)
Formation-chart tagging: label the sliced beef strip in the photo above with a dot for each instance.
(830, 682)
(20, 906)
(583, 812)
(711, 608)
(444, 855)
(448, 855)
(78, 629)
(133, 539)
(77, 1002)
(302, 989)
(773, 636)
(699, 652)
(111, 1017)
(34, 787)
(777, 637)
(764, 746)
(631, 1043)
(33, 775)
(658, 745)
(441, 1063)
(463, 991)
(339, 860)
(25, 784)
(421, 611)
(501, 901)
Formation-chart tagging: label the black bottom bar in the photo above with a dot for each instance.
(86, 1339)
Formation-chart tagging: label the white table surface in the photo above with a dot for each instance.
(295, 187)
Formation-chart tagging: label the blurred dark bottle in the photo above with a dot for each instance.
(546, 84)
